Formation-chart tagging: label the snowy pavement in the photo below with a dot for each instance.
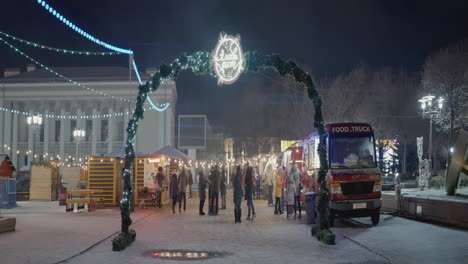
(48, 235)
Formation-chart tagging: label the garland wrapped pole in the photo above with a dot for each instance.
(201, 64)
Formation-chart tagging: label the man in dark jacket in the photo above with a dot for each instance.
(215, 186)
(159, 187)
(174, 191)
(190, 182)
(237, 191)
(201, 190)
(182, 181)
(223, 188)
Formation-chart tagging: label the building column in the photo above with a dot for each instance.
(111, 131)
(30, 145)
(96, 133)
(46, 123)
(62, 137)
(80, 122)
(126, 119)
(52, 131)
(7, 132)
(14, 147)
(2, 125)
(169, 121)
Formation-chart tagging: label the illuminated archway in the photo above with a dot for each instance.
(203, 63)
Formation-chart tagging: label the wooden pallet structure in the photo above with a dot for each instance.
(7, 224)
(104, 174)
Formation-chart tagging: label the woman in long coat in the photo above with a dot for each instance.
(201, 190)
(174, 191)
(278, 191)
(249, 179)
(237, 185)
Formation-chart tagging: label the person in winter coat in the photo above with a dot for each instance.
(237, 191)
(249, 186)
(190, 182)
(174, 191)
(278, 192)
(270, 184)
(284, 179)
(201, 190)
(182, 181)
(159, 179)
(223, 183)
(258, 180)
(296, 177)
(215, 186)
(290, 193)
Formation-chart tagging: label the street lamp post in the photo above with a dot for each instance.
(35, 123)
(78, 134)
(429, 109)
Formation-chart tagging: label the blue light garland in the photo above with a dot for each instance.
(165, 106)
(79, 30)
(60, 75)
(99, 42)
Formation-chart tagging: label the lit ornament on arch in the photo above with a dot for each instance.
(228, 58)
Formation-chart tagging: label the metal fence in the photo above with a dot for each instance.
(7, 193)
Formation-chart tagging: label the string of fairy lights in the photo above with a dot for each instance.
(80, 31)
(59, 50)
(62, 76)
(161, 107)
(115, 51)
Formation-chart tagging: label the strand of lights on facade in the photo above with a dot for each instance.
(99, 42)
(64, 51)
(79, 30)
(76, 52)
(160, 109)
(70, 116)
(61, 76)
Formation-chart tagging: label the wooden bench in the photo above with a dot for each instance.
(84, 197)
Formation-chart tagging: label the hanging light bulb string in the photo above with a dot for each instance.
(64, 51)
(67, 22)
(25, 113)
(61, 76)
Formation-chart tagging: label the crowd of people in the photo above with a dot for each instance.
(285, 186)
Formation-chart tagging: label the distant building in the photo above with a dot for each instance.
(238, 147)
(39, 91)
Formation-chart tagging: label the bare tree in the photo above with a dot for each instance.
(445, 74)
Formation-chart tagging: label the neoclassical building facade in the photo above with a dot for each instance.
(101, 107)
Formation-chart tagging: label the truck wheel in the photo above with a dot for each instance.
(331, 219)
(375, 218)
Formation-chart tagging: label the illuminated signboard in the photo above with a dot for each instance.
(349, 128)
(228, 58)
(154, 160)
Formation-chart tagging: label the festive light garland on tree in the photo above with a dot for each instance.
(201, 64)
(64, 51)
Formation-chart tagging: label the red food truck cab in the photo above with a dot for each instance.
(353, 179)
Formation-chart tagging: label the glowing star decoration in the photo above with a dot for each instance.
(228, 59)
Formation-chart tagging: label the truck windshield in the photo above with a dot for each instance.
(352, 152)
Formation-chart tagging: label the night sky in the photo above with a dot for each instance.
(326, 37)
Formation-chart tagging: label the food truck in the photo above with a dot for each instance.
(353, 179)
